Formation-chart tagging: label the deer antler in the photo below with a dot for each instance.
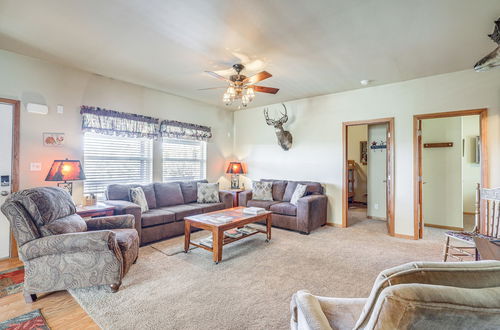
(268, 120)
(284, 117)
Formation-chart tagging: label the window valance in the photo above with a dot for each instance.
(179, 130)
(112, 122)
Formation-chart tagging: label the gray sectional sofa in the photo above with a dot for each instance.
(168, 204)
(309, 214)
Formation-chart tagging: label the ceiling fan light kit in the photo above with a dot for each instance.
(241, 87)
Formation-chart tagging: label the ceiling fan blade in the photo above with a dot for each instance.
(257, 77)
(218, 76)
(263, 89)
(204, 89)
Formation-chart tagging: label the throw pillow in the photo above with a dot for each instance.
(262, 190)
(208, 193)
(299, 192)
(138, 197)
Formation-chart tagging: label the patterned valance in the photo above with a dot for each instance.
(111, 122)
(180, 130)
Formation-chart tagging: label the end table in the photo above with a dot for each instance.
(235, 193)
(98, 210)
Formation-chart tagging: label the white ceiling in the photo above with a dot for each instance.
(311, 47)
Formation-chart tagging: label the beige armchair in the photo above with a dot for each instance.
(464, 295)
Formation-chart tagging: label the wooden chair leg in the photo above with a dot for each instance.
(115, 287)
(29, 298)
(446, 248)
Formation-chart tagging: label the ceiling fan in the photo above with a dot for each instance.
(242, 87)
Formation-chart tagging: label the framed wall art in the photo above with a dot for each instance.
(53, 139)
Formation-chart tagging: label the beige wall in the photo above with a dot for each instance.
(442, 172)
(377, 173)
(471, 171)
(316, 126)
(357, 134)
(32, 80)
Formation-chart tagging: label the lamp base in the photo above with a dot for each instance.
(68, 186)
(235, 181)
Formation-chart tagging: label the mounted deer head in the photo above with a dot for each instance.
(284, 137)
(492, 59)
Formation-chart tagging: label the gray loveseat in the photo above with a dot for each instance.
(309, 214)
(168, 204)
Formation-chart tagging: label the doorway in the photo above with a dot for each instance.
(9, 168)
(368, 167)
(450, 159)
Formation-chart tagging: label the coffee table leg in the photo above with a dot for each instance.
(268, 227)
(217, 240)
(187, 235)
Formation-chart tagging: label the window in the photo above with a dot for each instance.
(184, 159)
(114, 159)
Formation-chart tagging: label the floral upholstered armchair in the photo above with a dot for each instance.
(62, 251)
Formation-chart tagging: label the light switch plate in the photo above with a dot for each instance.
(35, 167)
(60, 109)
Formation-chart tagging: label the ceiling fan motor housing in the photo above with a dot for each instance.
(238, 67)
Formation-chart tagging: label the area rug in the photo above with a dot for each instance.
(29, 321)
(11, 281)
(252, 286)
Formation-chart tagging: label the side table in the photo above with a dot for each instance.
(235, 193)
(98, 210)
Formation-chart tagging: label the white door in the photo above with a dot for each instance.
(6, 124)
(377, 172)
(442, 172)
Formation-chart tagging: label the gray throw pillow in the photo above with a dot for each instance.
(262, 190)
(208, 193)
(299, 192)
(138, 197)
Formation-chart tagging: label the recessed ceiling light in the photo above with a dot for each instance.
(365, 82)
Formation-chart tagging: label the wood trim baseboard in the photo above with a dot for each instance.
(405, 236)
(443, 227)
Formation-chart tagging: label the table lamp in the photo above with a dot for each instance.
(235, 169)
(65, 170)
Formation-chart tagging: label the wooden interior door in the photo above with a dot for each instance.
(420, 181)
(388, 178)
(9, 167)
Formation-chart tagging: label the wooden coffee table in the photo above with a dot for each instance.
(238, 219)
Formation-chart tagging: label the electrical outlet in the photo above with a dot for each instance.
(375, 206)
(35, 167)
(60, 109)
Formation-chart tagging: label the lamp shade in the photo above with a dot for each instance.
(235, 168)
(65, 170)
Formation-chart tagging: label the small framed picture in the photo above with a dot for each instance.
(53, 139)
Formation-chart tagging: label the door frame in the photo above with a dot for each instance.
(418, 225)
(390, 168)
(16, 122)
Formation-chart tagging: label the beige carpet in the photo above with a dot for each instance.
(251, 288)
